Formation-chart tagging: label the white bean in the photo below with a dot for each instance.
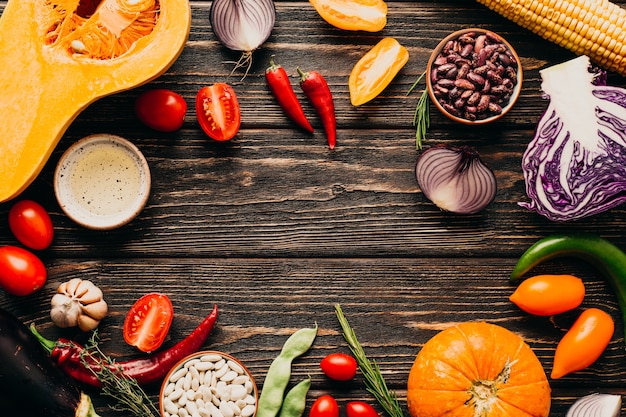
(240, 380)
(221, 371)
(248, 410)
(229, 376)
(178, 374)
(191, 363)
(212, 357)
(235, 367)
(226, 410)
(204, 366)
(237, 392)
(191, 407)
(176, 394)
(169, 406)
(169, 388)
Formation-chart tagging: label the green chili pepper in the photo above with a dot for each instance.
(279, 373)
(606, 257)
(294, 403)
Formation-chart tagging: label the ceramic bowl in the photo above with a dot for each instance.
(206, 382)
(489, 64)
(102, 182)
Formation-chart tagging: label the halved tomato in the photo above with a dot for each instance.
(375, 70)
(217, 109)
(367, 15)
(148, 322)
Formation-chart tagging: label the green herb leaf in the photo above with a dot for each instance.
(421, 117)
(374, 381)
(126, 391)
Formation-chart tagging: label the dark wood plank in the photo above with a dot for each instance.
(276, 229)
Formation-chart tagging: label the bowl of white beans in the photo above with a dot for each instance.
(208, 384)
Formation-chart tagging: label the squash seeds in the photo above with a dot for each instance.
(209, 385)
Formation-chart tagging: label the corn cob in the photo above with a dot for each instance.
(596, 28)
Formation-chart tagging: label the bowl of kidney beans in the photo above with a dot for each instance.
(474, 76)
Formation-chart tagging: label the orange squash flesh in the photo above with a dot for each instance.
(477, 369)
(55, 63)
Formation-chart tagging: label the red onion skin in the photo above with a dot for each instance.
(455, 179)
(231, 20)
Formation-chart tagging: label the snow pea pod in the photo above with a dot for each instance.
(294, 403)
(279, 373)
(605, 256)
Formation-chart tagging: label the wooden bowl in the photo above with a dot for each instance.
(215, 384)
(465, 66)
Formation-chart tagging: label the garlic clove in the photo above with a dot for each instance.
(91, 295)
(86, 323)
(71, 286)
(97, 310)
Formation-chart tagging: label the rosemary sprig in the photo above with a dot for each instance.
(126, 391)
(374, 381)
(421, 117)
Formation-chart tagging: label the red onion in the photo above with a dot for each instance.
(455, 179)
(243, 25)
(596, 405)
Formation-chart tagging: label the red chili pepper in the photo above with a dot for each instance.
(148, 370)
(317, 91)
(278, 81)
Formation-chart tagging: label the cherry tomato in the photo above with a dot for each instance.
(148, 322)
(360, 409)
(161, 109)
(217, 109)
(21, 272)
(583, 343)
(546, 295)
(339, 366)
(31, 224)
(367, 15)
(375, 70)
(324, 406)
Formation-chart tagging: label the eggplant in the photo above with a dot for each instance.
(31, 385)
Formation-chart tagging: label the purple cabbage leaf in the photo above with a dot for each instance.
(575, 165)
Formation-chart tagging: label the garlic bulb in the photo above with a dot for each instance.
(78, 303)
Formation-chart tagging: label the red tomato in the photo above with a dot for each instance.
(162, 110)
(31, 224)
(148, 322)
(339, 366)
(218, 111)
(360, 409)
(21, 272)
(325, 406)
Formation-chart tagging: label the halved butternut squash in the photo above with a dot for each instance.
(59, 56)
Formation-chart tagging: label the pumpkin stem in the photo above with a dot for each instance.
(484, 393)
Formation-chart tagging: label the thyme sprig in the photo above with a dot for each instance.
(421, 117)
(126, 391)
(374, 381)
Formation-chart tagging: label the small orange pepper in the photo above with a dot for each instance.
(546, 295)
(366, 15)
(583, 343)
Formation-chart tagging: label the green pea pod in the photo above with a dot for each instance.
(606, 257)
(294, 403)
(279, 373)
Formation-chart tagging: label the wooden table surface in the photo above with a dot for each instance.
(276, 229)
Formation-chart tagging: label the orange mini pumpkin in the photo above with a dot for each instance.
(477, 369)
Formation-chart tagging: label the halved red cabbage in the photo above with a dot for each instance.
(575, 165)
